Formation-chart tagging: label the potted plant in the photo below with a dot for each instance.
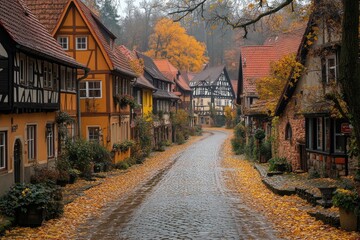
(31, 204)
(347, 202)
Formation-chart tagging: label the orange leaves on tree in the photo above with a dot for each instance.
(269, 87)
(171, 41)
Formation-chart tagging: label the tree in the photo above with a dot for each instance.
(349, 56)
(268, 87)
(171, 41)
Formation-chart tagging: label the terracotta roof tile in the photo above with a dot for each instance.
(141, 80)
(26, 30)
(172, 73)
(119, 61)
(47, 11)
(256, 59)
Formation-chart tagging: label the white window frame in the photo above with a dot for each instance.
(328, 67)
(3, 148)
(81, 43)
(64, 44)
(31, 141)
(91, 137)
(87, 89)
(50, 142)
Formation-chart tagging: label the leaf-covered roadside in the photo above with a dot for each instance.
(91, 202)
(287, 213)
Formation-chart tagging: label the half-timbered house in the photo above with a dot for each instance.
(81, 34)
(36, 75)
(212, 92)
(164, 100)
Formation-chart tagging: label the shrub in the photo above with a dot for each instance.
(345, 199)
(259, 134)
(313, 173)
(180, 138)
(100, 154)
(44, 175)
(279, 164)
(80, 154)
(265, 150)
(249, 148)
(43, 196)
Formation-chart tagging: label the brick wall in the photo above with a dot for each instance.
(290, 148)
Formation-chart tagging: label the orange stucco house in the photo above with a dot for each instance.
(82, 35)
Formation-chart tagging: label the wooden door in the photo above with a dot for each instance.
(303, 158)
(17, 160)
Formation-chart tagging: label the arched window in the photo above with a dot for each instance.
(288, 132)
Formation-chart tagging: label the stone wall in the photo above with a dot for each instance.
(290, 148)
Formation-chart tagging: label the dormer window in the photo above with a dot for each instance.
(81, 43)
(64, 42)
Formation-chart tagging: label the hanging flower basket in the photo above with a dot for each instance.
(125, 100)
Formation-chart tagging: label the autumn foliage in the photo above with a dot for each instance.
(269, 88)
(171, 41)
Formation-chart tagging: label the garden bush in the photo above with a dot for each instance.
(45, 196)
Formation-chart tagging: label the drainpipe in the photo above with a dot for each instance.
(86, 73)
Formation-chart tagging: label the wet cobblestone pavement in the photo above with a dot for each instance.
(185, 200)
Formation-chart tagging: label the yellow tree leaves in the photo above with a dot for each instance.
(269, 88)
(171, 41)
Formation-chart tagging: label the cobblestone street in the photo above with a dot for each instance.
(185, 200)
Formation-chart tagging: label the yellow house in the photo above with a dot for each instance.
(143, 89)
(81, 33)
(34, 72)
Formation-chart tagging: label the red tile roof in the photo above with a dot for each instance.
(256, 59)
(141, 80)
(47, 11)
(172, 73)
(26, 30)
(119, 61)
(255, 64)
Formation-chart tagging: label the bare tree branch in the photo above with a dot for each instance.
(241, 22)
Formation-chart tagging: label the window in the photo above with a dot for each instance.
(90, 89)
(31, 72)
(319, 133)
(81, 43)
(331, 73)
(327, 139)
(3, 150)
(31, 141)
(63, 77)
(339, 138)
(94, 134)
(69, 79)
(64, 42)
(50, 140)
(288, 132)
(47, 74)
(22, 71)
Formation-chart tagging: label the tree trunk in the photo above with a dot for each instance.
(349, 64)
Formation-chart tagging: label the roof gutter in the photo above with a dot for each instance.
(125, 72)
(44, 55)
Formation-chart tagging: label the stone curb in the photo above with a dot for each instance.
(325, 218)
